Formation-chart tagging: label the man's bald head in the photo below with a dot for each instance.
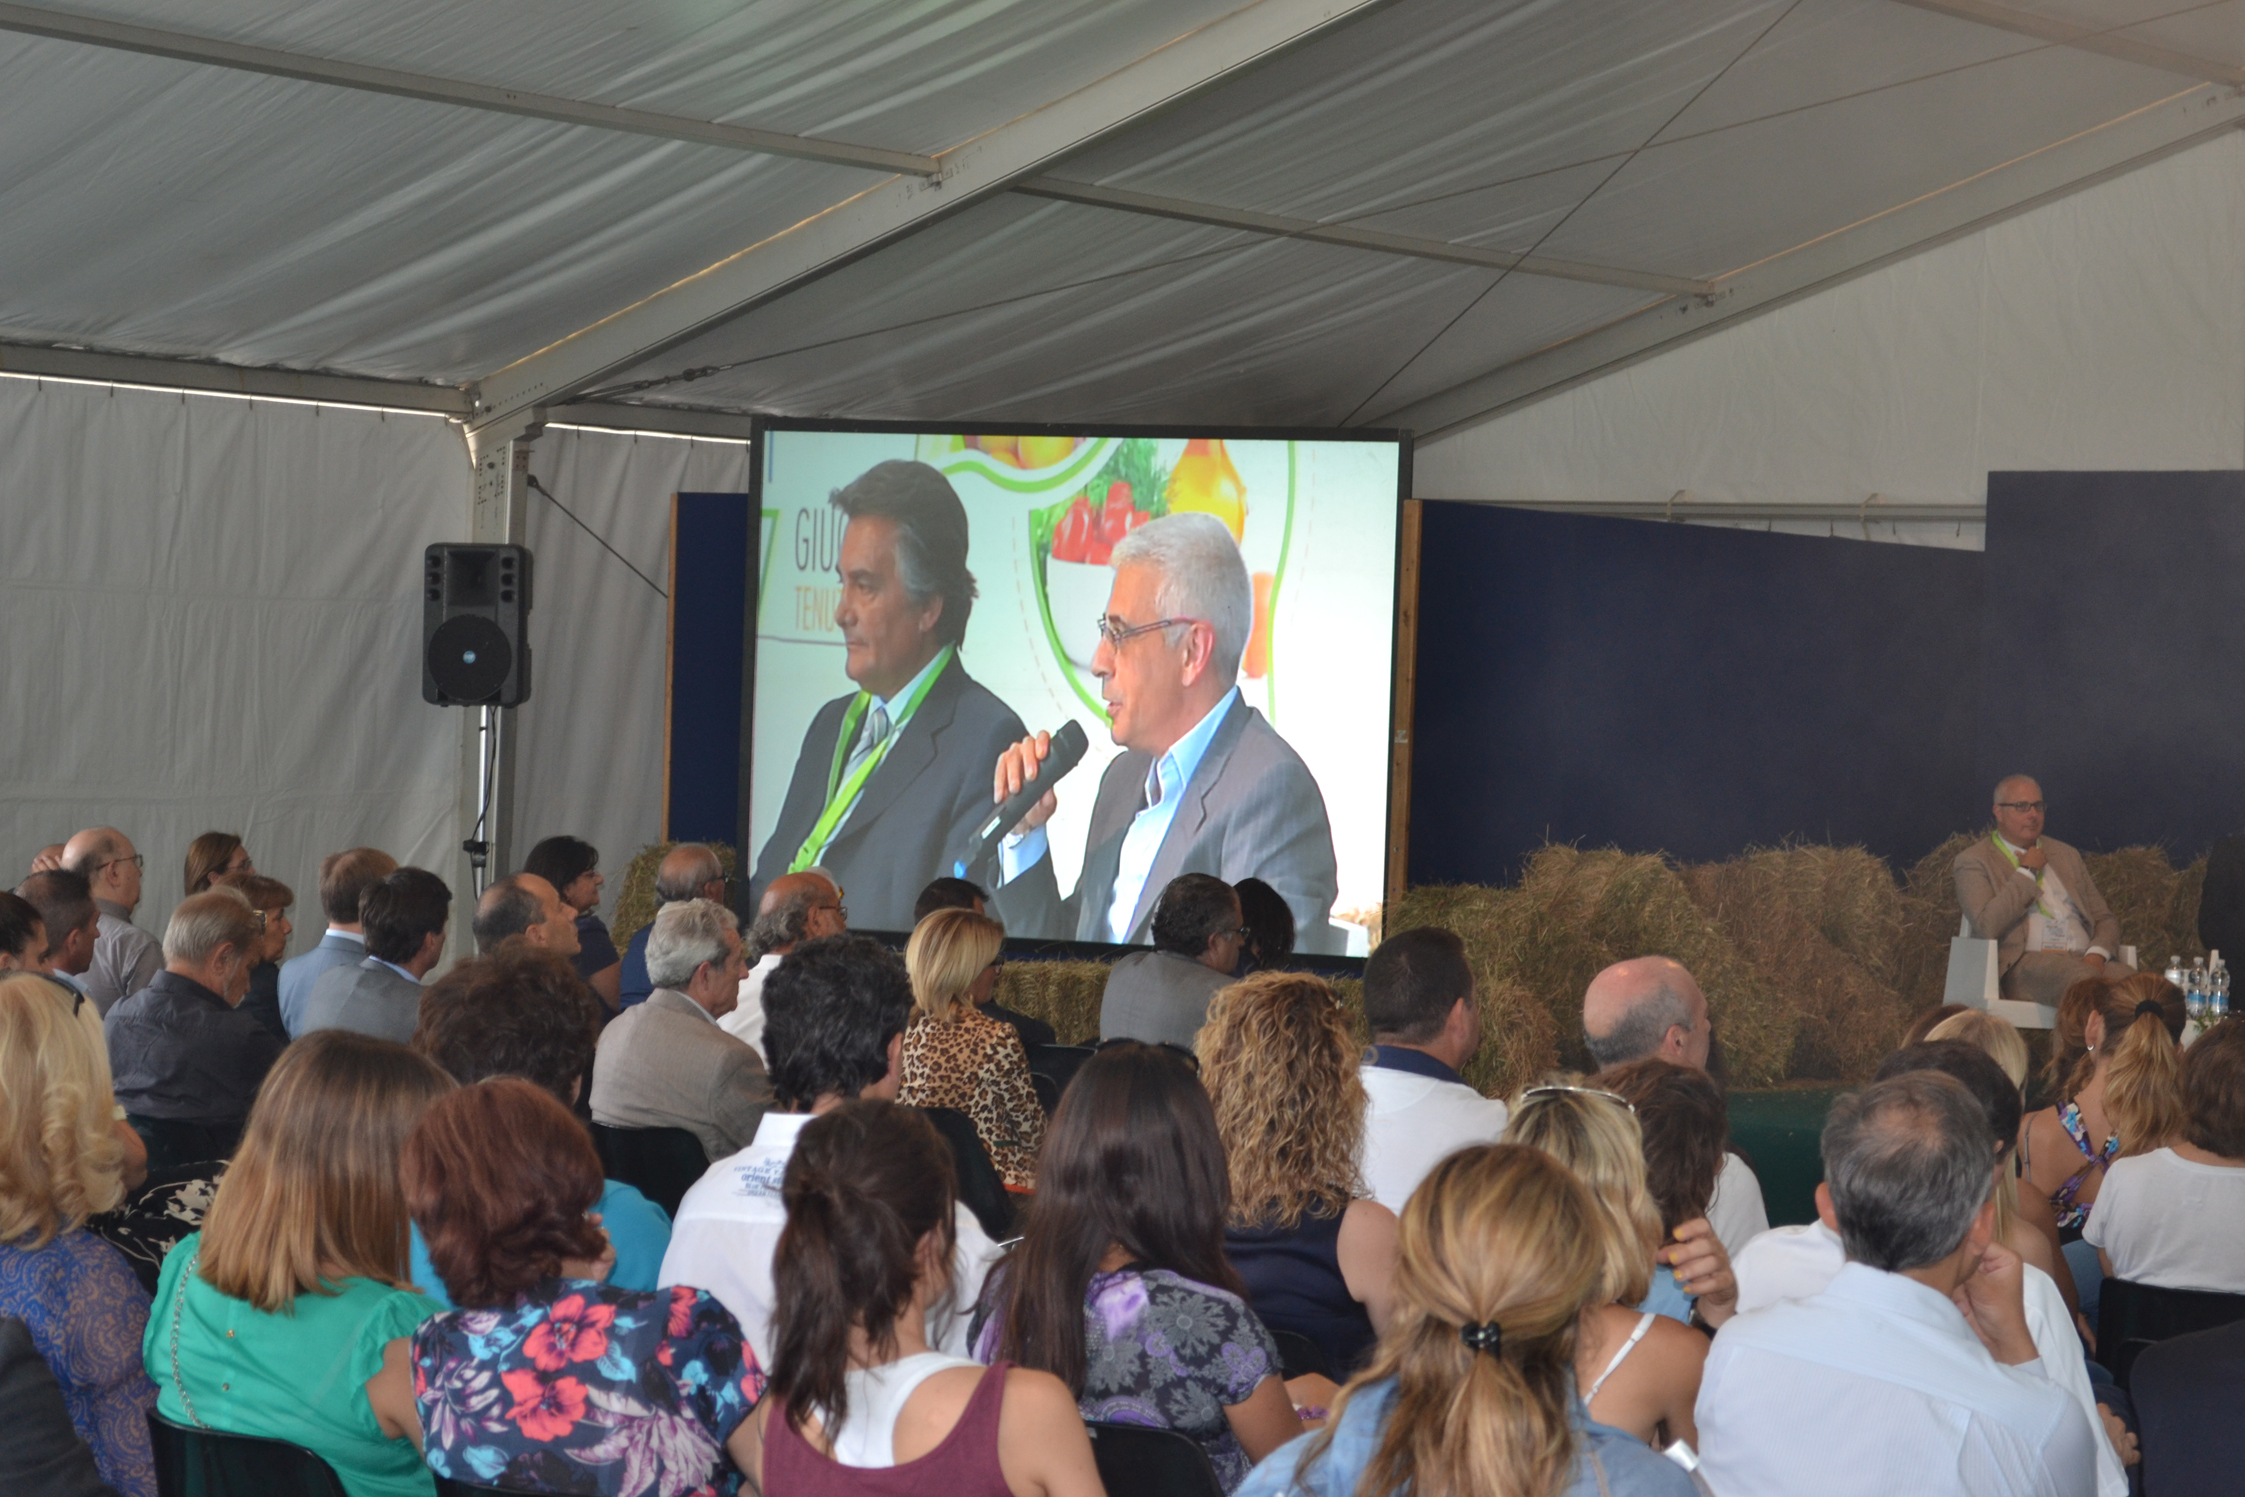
(796, 907)
(687, 871)
(2018, 810)
(1649, 1005)
(107, 859)
(524, 905)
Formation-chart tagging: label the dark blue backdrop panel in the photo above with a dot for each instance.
(713, 551)
(1688, 690)
(2115, 652)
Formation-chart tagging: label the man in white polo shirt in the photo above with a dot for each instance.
(1426, 1024)
(834, 1016)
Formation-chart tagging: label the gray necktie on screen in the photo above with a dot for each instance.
(875, 734)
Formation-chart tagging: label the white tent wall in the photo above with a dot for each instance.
(590, 739)
(2105, 330)
(212, 617)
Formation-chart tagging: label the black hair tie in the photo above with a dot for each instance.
(1483, 1338)
(2149, 1007)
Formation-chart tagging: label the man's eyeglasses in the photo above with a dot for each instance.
(1580, 1091)
(138, 860)
(2021, 806)
(1115, 631)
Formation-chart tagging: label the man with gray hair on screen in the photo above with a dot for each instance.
(1914, 1370)
(1651, 1006)
(1204, 783)
(665, 1063)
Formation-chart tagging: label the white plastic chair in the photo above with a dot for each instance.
(1974, 982)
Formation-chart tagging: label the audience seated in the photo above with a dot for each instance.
(1161, 996)
(1472, 1387)
(216, 858)
(665, 1063)
(1269, 923)
(1682, 1127)
(1317, 1255)
(525, 905)
(1425, 1020)
(836, 1010)
(501, 1180)
(961, 894)
(404, 913)
(1796, 1262)
(957, 1057)
(2114, 1070)
(126, 958)
(72, 921)
(572, 866)
(1652, 1006)
(180, 1050)
(523, 1012)
(861, 1400)
(688, 871)
(1914, 1369)
(59, 1165)
(344, 877)
(43, 1454)
(1125, 1247)
(1993, 1034)
(2174, 1216)
(1636, 1370)
(271, 899)
(276, 1319)
(796, 907)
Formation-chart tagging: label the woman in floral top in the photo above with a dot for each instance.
(546, 1379)
(1120, 1286)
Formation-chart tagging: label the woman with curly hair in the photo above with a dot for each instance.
(59, 1164)
(1471, 1392)
(1316, 1252)
(1638, 1370)
(618, 1392)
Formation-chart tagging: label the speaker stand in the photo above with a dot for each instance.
(477, 847)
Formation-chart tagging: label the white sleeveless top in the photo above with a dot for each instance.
(867, 1437)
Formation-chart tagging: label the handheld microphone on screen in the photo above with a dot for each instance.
(1067, 751)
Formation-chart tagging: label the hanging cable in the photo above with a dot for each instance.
(532, 479)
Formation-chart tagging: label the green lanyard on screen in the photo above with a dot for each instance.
(842, 795)
(2040, 908)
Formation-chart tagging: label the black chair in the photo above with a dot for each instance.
(206, 1463)
(2133, 1316)
(1135, 1461)
(1047, 1090)
(981, 1188)
(172, 1142)
(452, 1486)
(662, 1164)
(1059, 1063)
(1299, 1356)
(2184, 1390)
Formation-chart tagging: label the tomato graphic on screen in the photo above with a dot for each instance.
(1072, 538)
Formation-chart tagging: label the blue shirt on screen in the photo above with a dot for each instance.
(638, 1227)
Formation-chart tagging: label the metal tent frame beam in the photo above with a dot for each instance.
(894, 209)
(2010, 188)
(138, 371)
(2106, 42)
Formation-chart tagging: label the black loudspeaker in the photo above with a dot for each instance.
(475, 609)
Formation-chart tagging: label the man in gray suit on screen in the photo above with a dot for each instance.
(1204, 785)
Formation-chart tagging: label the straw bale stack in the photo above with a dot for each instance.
(636, 904)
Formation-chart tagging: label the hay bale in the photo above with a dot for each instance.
(1063, 994)
(2139, 884)
(2182, 919)
(635, 892)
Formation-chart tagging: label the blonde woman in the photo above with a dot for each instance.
(59, 1164)
(957, 1056)
(288, 1315)
(1471, 1392)
(2024, 1221)
(1316, 1252)
(1638, 1370)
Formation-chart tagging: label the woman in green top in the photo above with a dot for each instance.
(279, 1317)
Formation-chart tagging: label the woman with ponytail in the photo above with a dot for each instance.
(2117, 1066)
(858, 1404)
(1471, 1390)
(2173, 1216)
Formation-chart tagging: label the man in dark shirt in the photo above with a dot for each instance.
(180, 1051)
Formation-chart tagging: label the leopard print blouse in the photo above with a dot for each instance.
(975, 1064)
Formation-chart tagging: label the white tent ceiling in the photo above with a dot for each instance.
(1296, 211)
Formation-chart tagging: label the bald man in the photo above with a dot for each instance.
(2032, 896)
(126, 958)
(688, 871)
(796, 907)
(528, 906)
(1652, 1006)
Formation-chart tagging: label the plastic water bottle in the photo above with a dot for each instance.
(2217, 1001)
(2194, 991)
(2175, 970)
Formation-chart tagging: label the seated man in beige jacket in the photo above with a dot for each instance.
(665, 1063)
(2032, 896)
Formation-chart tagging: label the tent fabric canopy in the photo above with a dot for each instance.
(159, 207)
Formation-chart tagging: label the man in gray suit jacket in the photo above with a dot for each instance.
(1161, 996)
(344, 877)
(404, 914)
(2032, 895)
(665, 1063)
(1204, 785)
